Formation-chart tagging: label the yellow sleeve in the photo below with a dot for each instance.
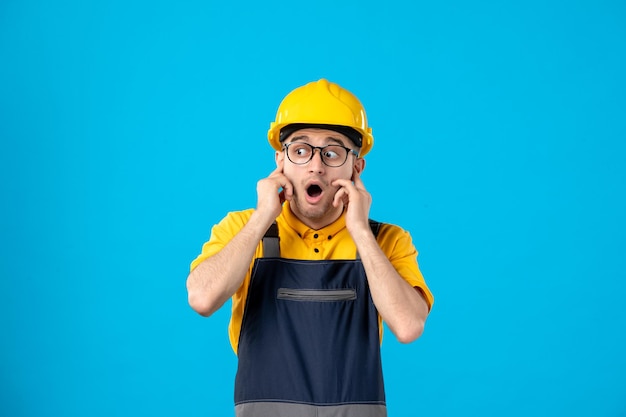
(221, 234)
(397, 244)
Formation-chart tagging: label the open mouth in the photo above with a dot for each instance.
(314, 190)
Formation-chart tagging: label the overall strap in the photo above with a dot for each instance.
(271, 241)
(375, 226)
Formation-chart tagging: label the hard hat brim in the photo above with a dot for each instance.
(347, 131)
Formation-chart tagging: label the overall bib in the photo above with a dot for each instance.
(309, 342)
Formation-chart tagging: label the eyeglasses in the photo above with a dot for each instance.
(332, 155)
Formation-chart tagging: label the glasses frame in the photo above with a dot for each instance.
(321, 149)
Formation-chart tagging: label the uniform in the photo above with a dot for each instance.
(303, 323)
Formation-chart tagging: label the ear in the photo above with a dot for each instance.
(279, 157)
(359, 165)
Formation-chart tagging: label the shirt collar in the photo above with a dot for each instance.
(302, 229)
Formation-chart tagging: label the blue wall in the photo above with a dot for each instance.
(128, 128)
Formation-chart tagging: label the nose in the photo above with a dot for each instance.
(316, 164)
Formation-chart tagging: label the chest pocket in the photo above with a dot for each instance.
(319, 296)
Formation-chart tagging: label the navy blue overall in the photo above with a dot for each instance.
(309, 342)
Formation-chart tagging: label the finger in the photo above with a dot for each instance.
(341, 196)
(336, 199)
(356, 178)
(277, 171)
(282, 183)
(342, 183)
(280, 167)
(287, 189)
(279, 176)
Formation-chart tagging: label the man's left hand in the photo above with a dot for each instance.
(356, 200)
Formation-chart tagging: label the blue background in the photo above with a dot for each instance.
(129, 128)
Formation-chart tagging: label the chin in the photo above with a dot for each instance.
(316, 212)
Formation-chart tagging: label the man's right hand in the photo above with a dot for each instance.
(272, 192)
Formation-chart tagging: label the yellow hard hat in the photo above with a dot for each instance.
(324, 104)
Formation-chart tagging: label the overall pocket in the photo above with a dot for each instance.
(291, 294)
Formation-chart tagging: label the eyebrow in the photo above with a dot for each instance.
(303, 137)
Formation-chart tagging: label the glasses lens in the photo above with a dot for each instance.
(334, 156)
(299, 153)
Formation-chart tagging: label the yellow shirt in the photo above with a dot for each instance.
(298, 241)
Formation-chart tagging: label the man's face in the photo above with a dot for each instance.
(313, 192)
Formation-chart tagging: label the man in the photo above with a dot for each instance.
(310, 276)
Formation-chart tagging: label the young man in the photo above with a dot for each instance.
(310, 276)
